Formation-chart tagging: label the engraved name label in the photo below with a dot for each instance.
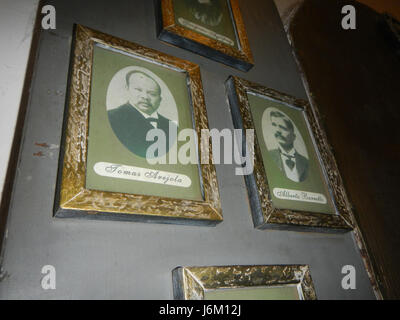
(205, 31)
(296, 195)
(120, 171)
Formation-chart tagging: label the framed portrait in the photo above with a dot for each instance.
(212, 28)
(127, 108)
(295, 183)
(269, 282)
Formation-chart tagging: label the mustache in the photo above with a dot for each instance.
(278, 135)
(145, 103)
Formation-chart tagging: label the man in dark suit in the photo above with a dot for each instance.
(289, 161)
(131, 121)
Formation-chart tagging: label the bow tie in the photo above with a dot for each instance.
(288, 155)
(153, 122)
(152, 119)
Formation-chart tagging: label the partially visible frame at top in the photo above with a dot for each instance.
(239, 57)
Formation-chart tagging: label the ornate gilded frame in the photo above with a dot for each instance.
(265, 215)
(191, 283)
(172, 33)
(73, 199)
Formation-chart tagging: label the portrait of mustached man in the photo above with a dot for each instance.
(208, 12)
(132, 121)
(289, 160)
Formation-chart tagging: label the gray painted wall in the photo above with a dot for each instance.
(122, 260)
(17, 19)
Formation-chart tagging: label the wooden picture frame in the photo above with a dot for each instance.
(299, 215)
(197, 38)
(201, 283)
(73, 197)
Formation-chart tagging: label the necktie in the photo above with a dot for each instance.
(289, 162)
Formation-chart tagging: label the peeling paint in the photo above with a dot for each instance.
(43, 145)
(39, 154)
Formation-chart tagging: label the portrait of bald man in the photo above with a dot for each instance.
(294, 165)
(132, 120)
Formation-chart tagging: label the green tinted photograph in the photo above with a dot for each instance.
(129, 98)
(210, 18)
(294, 173)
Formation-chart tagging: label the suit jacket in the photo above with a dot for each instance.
(301, 163)
(131, 128)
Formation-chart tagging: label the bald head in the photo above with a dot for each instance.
(144, 93)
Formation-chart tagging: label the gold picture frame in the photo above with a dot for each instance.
(170, 31)
(194, 283)
(73, 199)
(265, 214)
